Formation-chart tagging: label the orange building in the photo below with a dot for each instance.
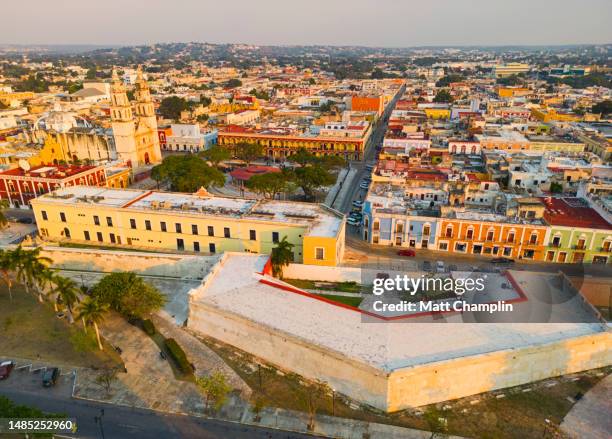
(368, 103)
(492, 236)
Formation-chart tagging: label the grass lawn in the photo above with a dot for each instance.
(520, 415)
(351, 301)
(30, 330)
(344, 287)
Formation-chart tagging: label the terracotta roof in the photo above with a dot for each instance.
(573, 212)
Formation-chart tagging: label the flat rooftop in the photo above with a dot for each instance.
(573, 212)
(387, 345)
(319, 221)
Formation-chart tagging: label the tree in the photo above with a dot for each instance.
(107, 378)
(216, 154)
(171, 107)
(3, 220)
(233, 83)
(91, 73)
(443, 96)
(187, 173)
(311, 177)
(556, 188)
(604, 108)
(248, 152)
(92, 311)
(128, 294)
(215, 389)
(67, 293)
(445, 81)
(7, 265)
(282, 255)
(269, 184)
(29, 266)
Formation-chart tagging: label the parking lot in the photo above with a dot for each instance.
(27, 377)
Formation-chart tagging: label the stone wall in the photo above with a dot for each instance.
(349, 377)
(457, 378)
(409, 387)
(148, 264)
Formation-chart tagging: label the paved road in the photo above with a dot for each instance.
(119, 422)
(129, 423)
(376, 138)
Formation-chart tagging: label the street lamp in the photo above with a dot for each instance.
(98, 420)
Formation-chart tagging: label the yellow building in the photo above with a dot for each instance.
(550, 115)
(509, 92)
(166, 221)
(13, 98)
(437, 113)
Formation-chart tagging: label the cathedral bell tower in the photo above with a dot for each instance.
(122, 121)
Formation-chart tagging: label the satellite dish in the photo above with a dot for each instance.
(23, 164)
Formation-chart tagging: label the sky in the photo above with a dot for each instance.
(389, 23)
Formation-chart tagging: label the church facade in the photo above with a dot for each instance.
(134, 126)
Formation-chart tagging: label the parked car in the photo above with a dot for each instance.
(353, 222)
(50, 377)
(358, 203)
(364, 185)
(25, 220)
(440, 267)
(407, 252)
(369, 167)
(5, 369)
(426, 266)
(502, 261)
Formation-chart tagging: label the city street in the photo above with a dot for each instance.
(131, 423)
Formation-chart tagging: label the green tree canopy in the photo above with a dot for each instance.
(248, 152)
(216, 154)
(443, 96)
(269, 184)
(128, 294)
(604, 108)
(233, 83)
(171, 107)
(445, 81)
(187, 173)
(282, 255)
(311, 177)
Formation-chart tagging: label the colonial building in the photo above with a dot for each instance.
(134, 131)
(196, 223)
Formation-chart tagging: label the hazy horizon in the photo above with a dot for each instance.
(381, 23)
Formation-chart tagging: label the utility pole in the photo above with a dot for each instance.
(98, 420)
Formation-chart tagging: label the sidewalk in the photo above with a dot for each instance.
(204, 359)
(590, 417)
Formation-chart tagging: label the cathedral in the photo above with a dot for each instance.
(134, 131)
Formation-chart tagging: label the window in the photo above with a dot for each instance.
(99, 236)
(399, 228)
(211, 231)
(132, 223)
(319, 253)
(443, 246)
(469, 234)
(510, 237)
(178, 228)
(96, 220)
(162, 226)
(112, 238)
(44, 214)
(581, 244)
(66, 232)
(507, 251)
(550, 256)
(86, 234)
(533, 239)
(426, 230)
(212, 248)
(376, 225)
(147, 224)
(490, 234)
(109, 221)
(556, 242)
(562, 256)
(63, 217)
(180, 244)
(196, 246)
(226, 232)
(274, 236)
(449, 232)
(252, 235)
(194, 229)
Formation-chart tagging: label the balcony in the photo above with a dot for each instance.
(580, 247)
(555, 244)
(605, 249)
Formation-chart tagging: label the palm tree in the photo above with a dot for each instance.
(7, 266)
(92, 311)
(3, 220)
(66, 292)
(30, 266)
(282, 255)
(44, 281)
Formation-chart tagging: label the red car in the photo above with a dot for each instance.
(410, 253)
(5, 369)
